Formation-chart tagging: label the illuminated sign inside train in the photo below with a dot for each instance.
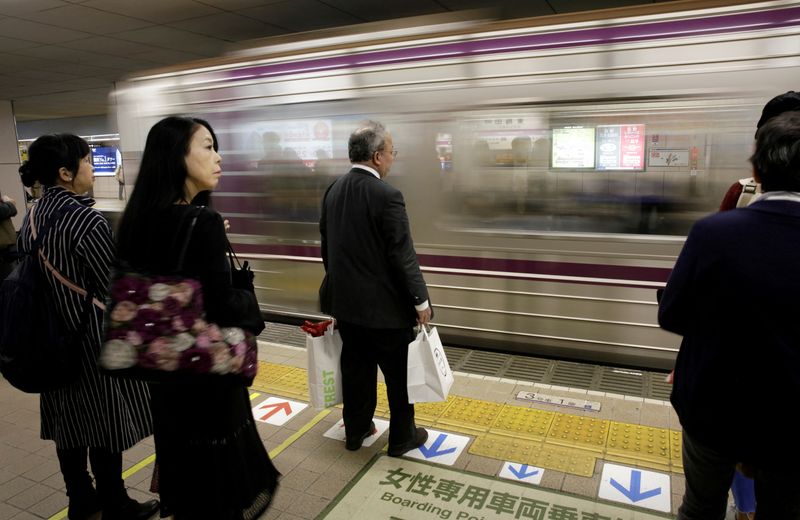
(573, 147)
(620, 147)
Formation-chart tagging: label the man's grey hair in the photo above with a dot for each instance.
(777, 155)
(365, 141)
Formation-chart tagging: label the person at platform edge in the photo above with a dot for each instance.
(742, 264)
(373, 287)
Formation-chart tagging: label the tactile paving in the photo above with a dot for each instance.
(627, 461)
(639, 442)
(269, 372)
(431, 412)
(293, 384)
(526, 423)
(473, 414)
(382, 406)
(676, 450)
(579, 432)
(568, 460)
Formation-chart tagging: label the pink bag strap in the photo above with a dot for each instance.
(58, 276)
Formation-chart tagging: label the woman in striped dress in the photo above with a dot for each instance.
(95, 414)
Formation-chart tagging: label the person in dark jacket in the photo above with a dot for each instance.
(211, 461)
(96, 414)
(741, 265)
(373, 287)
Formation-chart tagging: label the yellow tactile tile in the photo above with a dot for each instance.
(576, 462)
(382, 406)
(637, 462)
(579, 432)
(526, 423)
(431, 412)
(639, 442)
(293, 384)
(471, 413)
(676, 450)
(269, 372)
(503, 447)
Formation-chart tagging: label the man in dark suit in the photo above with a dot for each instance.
(733, 296)
(373, 287)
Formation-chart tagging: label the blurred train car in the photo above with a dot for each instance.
(551, 166)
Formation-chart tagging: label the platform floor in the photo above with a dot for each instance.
(566, 461)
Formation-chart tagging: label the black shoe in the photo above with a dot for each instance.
(132, 510)
(420, 436)
(354, 444)
(83, 508)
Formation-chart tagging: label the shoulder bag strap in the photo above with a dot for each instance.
(185, 245)
(36, 248)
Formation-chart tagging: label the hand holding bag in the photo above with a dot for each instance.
(324, 371)
(429, 374)
(155, 330)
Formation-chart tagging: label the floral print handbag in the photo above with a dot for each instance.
(155, 330)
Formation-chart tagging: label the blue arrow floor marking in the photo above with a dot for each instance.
(433, 451)
(522, 473)
(635, 494)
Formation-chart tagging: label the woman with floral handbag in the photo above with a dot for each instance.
(211, 460)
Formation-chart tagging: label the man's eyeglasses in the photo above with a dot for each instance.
(393, 152)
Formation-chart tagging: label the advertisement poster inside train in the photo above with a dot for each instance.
(620, 147)
(573, 147)
(285, 142)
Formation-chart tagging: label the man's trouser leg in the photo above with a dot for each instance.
(708, 479)
(392, 355)
(777, 496)
(359, 379)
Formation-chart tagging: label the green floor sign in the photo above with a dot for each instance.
(402, 489)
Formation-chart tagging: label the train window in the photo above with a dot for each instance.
(633, 167)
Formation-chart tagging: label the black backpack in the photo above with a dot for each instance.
(37, 353)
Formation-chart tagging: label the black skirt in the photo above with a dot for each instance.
(211, 461)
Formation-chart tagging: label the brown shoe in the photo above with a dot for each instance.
(420, 436)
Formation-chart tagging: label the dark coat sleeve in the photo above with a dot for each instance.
(224, 304)
(400, 247)
(7, 210)
(677, 306)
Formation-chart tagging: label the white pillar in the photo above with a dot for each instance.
(10, 183)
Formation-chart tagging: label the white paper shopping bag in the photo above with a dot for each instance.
(429, 374)
(324, 372)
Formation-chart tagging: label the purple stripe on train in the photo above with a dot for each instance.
(506, 268)
(760, 20)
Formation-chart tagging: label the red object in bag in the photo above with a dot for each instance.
(315, 329)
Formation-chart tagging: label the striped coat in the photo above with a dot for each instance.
(95, 411)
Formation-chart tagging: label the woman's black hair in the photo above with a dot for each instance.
(50, 153)
(162, 173)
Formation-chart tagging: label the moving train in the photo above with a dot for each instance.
(551, 166)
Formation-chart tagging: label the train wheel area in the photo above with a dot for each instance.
(497, 448)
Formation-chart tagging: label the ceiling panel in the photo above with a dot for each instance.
(10, 44)
(109, 46)
(175, 39)
(86, 19)
(235, 5)
(232, 27)
(316, 15)
(37, 32)
(374, 11)
(156, 11)
(18, 7)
